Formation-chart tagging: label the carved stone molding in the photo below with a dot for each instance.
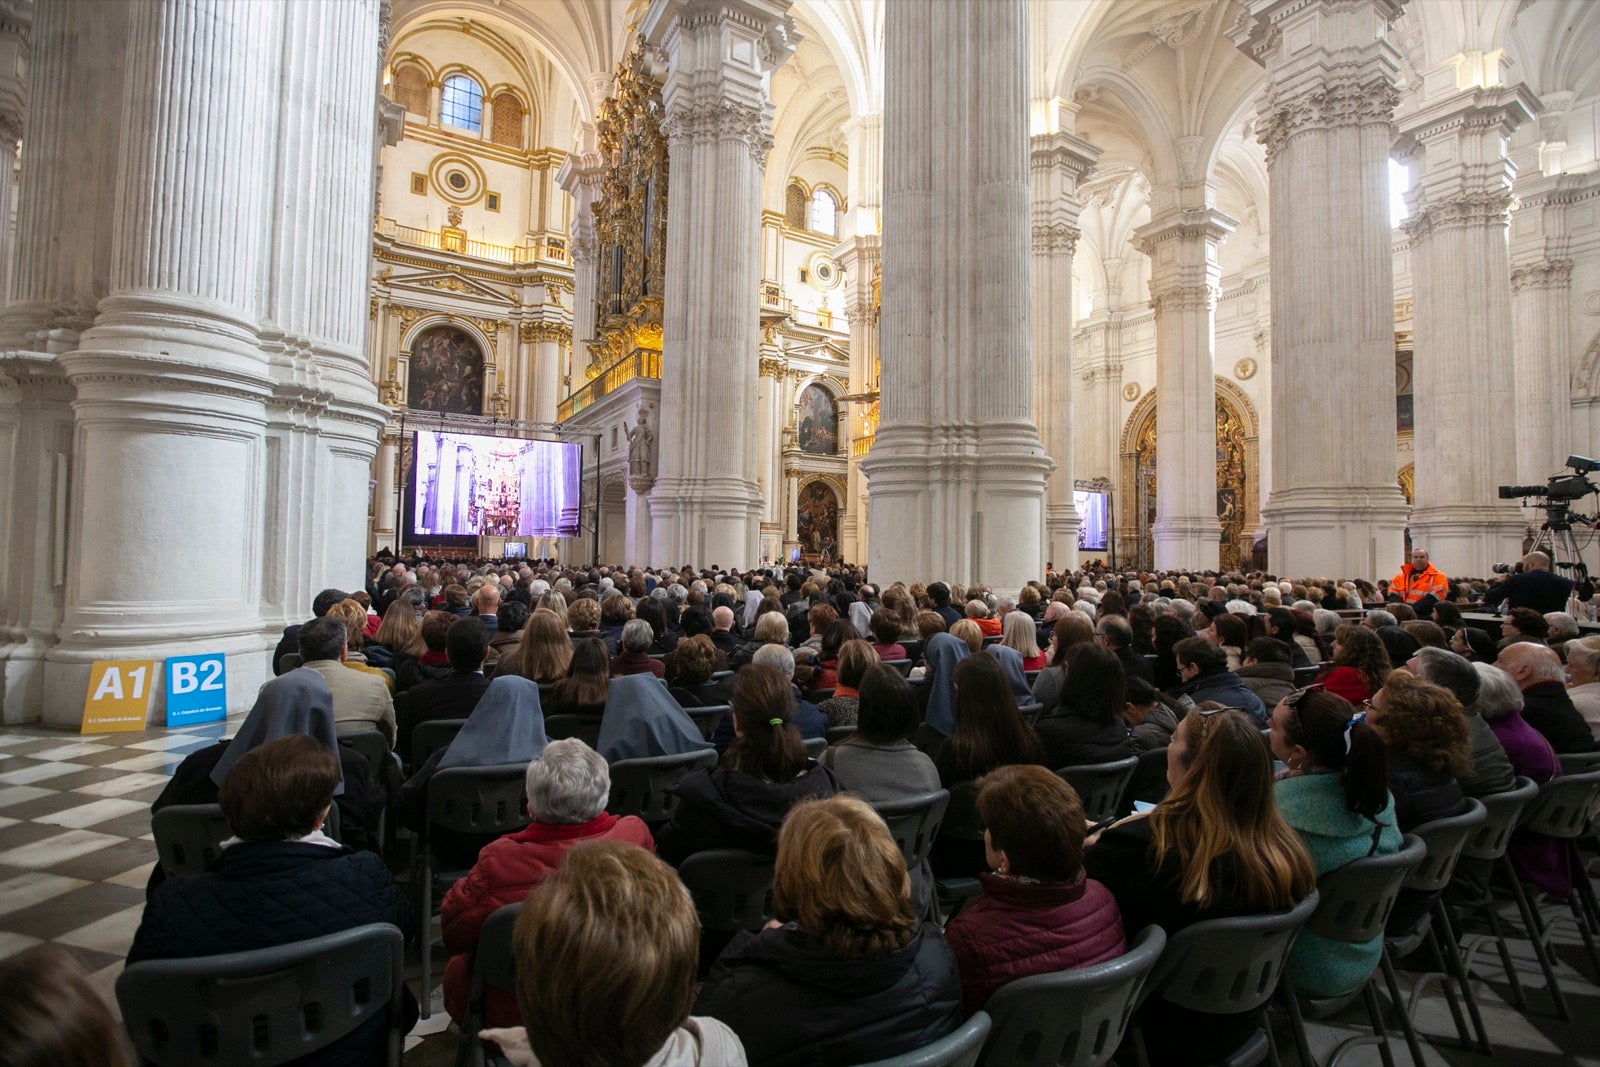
(708, 122)
(1470, 209)
(1184, 298)
(770, 367)
(1356, 98)
(1057, 237)
(536, 332)
(1545, 274)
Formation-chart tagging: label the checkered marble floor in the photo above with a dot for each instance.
(76, 851)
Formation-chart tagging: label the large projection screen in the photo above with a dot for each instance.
(467, 485)
(1093, 517)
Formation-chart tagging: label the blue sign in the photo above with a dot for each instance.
(197, 689)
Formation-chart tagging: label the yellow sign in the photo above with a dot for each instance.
(119, 696)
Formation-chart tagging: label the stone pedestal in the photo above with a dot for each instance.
(636, 519)
(1465, 384)
(1182, 247)
(1058, 163)
(957, 470)
(1326, 119)
(721, 53)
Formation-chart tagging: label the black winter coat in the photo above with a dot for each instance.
(795, 1005)
(265, 894)
(1549, 710)
(1072, 740)
(720, 808)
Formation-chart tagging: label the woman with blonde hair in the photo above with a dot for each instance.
(554, 601)
(1217, 846)
(1583, 685)
(858, 978)
(967, 630)
(545, 652)
(605, 948)
(1019, 632)
(399, 632)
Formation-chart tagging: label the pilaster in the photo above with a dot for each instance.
(720, 57)
(1460, 198)
(580, 176)
(1326, 119)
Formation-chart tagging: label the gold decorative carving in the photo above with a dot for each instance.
(631, 214)
(1245, 369)
(772, 368)
(537, 332)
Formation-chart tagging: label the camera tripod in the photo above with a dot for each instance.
(1554, 538)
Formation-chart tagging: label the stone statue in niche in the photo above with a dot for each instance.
(641, 448)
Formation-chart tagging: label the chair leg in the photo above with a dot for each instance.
(1446, 983)
(1518, 998)
(1375, 1013)
(1400, 1011)
(1297, 1024)
(1452, 948)
(426, 921)
(1535, 929)
(1579, 912)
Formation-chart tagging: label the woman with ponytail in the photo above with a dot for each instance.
(742, 801)
(1335, 792)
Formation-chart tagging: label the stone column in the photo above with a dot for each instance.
(721, 53)
(1466, 401)
(383, 507)
(16, 23)
(1326, 119)
(1541, 291)
(547, 339)
(859, 256)
(1184, 276)
(580, 176)
(957, 471)
(1059, 162)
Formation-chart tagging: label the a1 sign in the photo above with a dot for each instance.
(119, 696)
(197, 689)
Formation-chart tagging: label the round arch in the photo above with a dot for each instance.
(819, 502)
(438, 372)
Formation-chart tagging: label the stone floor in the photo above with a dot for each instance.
(76, 850)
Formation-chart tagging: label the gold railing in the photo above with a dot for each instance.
(451, 240)
(639, 365)
(862, 445)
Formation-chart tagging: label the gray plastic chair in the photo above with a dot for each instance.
(901, 665)
(1355, 903)
(961, 823)
(372, 745)
(1488, 843)
(914, 823)
(288, 662)
(268, 1006)
(815, 746)
(639, 786)
(429, 737)
(494, 964)
(189, 836)
(1228, 966)
(709, 718)
(960, 1048)
(585, 728)
(839, 733)
(1100, 785)
(1149, 781)
(1444, 840)
(1070, 1018)
(732, 889)
(463, 800)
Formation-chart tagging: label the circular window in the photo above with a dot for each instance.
(825, 272)
(457, 181)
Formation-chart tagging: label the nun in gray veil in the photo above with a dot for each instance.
(1011, 665)
(642, 719)
(943, 652)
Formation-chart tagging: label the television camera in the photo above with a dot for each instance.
(1554, 536)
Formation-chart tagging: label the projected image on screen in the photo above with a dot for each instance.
(495, 486)
(1093, 514)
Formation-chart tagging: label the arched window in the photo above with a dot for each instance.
(461, 105)
(411, 90)
(794, 206)
(507, 121)
(824, 216)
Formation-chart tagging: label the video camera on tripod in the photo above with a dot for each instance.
(1554, 536)
(1559, 489)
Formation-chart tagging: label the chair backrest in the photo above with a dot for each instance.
(817, 696)
(267, 1006)
(732, 889)
(1149, 780)
(913, 647)
(1225, 966)
(1579, 762)
(477, 800)
(288, 662)
(815, 746)
(494, 963)
(639, 786)
(961, 819)
(1030, 711)
(1306, 675)
(585, 728)
(839, 733)
(709, 718)
(429, 737)
(901, 665)
(1503, 813)
(372, 745)
(717, 676)
(914, 822)
(189, 836)
(1070, 1018)
(928, 740)
(1100, 785)
(959, 1048)
(1357, 898)
(1444, 839)
(1563, 805)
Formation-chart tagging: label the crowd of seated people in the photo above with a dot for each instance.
(1407, 716)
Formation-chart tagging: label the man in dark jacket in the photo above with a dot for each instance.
(1538, 673)
(1536, 587)
(1266, 670)
(1117, 635)
(939, 593)
(451, 697)
(290, 641)
(1204, 675)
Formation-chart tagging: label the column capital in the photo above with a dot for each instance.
(1072, 156)
(1185, 226)
(1470, 183)
(1543, 274)
(1182, 246)
(1054, 238)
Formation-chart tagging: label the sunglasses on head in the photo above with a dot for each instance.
(1294, 698)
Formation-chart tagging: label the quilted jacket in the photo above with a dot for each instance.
(1017, 929)
(256, 895)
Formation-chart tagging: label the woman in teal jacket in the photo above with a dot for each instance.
(1335, 793)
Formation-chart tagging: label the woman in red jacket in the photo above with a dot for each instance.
(1038, 913)
(1359, 665)
(567, 790)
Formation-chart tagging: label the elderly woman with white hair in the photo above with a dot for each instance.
(1583, 680)
(568, 785)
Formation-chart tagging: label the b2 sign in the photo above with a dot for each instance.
(197, 689)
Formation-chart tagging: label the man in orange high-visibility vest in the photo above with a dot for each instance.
(1418, 579)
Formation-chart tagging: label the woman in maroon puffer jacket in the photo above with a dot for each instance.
(1038, 912)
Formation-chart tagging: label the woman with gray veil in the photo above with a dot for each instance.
(1011, 665)
(641, 719)
(298, 702)
(942, 653)
(505, 729)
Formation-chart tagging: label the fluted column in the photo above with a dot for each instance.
(859, 256)
(1059, 162)
(545, 350)
(957, 471)
(1184, 277)
(1326, 119)
(706, 504)
(1464, 381)
(383, 508)
(580, 176)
